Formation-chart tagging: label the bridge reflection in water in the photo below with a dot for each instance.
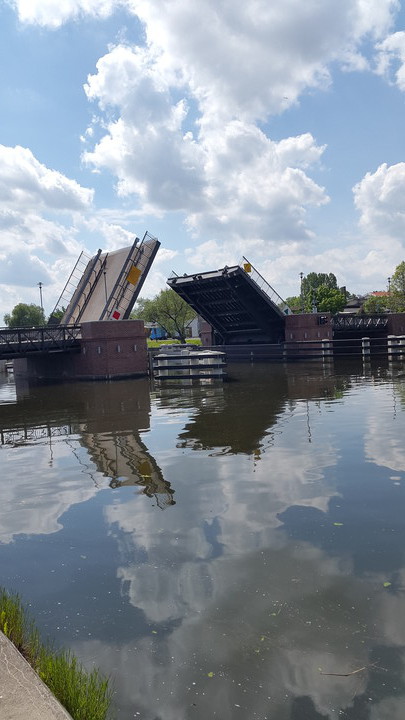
(104, 419)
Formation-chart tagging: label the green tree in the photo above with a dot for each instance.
(329, 299)
(314, 280)
(295, 303)
(169, 310)
(56, 316)
(397, 289)
(376, 304)
(141, 309)
(320, 290)
(24, 315)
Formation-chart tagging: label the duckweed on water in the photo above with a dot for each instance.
(85, 695)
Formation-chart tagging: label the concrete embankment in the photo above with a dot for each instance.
(23, 695)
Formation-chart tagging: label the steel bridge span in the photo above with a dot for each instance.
(24, 342)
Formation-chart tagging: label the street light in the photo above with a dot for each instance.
(302, 298)
(40, 295)
(389, 285)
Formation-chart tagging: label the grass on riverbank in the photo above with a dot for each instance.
(158, 343)
(85, 695)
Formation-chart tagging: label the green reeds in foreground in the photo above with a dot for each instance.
(85, 695)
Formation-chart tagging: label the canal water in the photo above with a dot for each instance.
(228, 551)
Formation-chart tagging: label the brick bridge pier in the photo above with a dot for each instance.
(100, 351)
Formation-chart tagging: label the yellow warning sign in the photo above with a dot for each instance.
(247, 267)
(134, 275)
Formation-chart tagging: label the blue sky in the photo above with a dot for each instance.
(270, 130)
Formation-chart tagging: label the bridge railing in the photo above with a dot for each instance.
(268, 290)
(359, 322)
(18, 342)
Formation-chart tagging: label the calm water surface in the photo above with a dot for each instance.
(225, 552)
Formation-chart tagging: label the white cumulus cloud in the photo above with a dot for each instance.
(25, 182)
(251, 59)
(53, 13)
(380, 198)
(42, 213)
(226, 179)
(182, 112)
(391, 59)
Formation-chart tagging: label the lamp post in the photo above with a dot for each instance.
(40, 295)
(302, 297)
(389, 285)
(314, 299)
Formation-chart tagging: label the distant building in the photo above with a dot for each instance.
(354, 305)
(193, 328)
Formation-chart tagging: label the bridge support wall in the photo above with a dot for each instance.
(396, 324)
(305, 326)
(308, 326)
(108, 350)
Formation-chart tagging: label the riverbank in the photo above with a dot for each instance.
(86, 695)
(22, 693)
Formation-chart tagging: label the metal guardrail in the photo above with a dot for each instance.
(265, 287)
(124, 293)
(80, 275)
(391, 347)
(20, 342)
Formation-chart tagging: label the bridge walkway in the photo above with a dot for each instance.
(21, 342)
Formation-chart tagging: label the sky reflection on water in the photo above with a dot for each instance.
(221, 551)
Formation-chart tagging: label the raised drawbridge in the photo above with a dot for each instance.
(239, 304)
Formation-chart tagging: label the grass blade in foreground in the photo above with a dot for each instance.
(85, 695)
